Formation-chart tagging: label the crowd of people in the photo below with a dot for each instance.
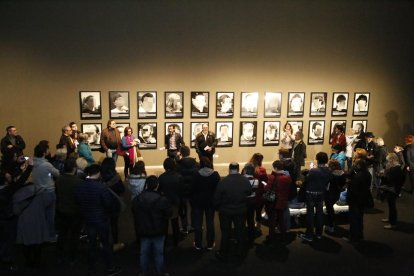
(58, 199)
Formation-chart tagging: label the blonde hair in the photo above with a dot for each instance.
(61, 153)
(392, 160)
(379, 141)
(81, 163)
(82, 137)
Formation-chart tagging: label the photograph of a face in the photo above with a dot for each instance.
(119, 104)
(174, 102)
(340, 103)
(94, 131)
(178, 126)
(361, 104)
(318, 104)
(271, 132)
(272, 104)
(224, 104)
(359, 126)
(296, 102)
(224, 134)
(90, 105)
(196, 128)
(296, 126)
(147, 104)
(248, 134)
(316, 132)
(147, 135)
(249, 103)
(334, 125)
(121, 127)
(199, 104)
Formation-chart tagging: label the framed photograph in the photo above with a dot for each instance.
(335, 123)
(199, 104)
(94, 131)
(316, 132)
(359, 126)
(121, 127)
(296, 103)
(272, 104)
(271, 133)
(224, 134)
(174, 102)
(340, 103)
(248, 134)
(147, 135)
(296, 126)
(224, 104)
(318, 104)
(249, 102)
(119, 104)
(147, 104)
(90, 105)
(361, 103)
(196, 128)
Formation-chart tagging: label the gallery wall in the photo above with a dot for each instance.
(49, 51)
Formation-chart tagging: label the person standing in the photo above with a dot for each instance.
(338, 137)
(67, 141)
(230, 199)
(84, 150)
(12, 142)
(173, 142)
(332, 194)
(288, 139)
(111, 140)
(205, 143)
(299, 152)
(128, 145)
(409, 161)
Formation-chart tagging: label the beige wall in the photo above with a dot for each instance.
(51, 51)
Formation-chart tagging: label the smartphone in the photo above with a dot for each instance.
(264, 183)
(26, 158)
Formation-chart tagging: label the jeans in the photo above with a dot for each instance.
(103, 231)
(127, 166)
(314, 209)
(112, 154)
(152, 248)
(356, 222)
(198, 213)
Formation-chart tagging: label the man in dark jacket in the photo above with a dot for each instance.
(230, 199)
(151, 210)
(173, 142)
(205, 143)
(12, 141)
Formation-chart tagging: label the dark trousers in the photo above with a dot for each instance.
(226, 222)
(198, 213)
(114, 227)
(8, 229)
(392, 207)
(175, 230)
(314, 214)
(69, 226)
(103, 231)
(276, 218)
(128, 166)
(33, 255)
(356, 223)
(183, 213)
(251, 210)
(209, 156)
(330, 212)
(410, 175)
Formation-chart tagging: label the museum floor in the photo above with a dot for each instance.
(384, 252)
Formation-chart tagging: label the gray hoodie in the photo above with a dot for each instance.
(43, 172)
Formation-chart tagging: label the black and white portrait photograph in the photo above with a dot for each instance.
(359, 126)
(334, 124)
(248, 134)
(94, 131)
(121, 127)
(196, 128)
(316, 132)
(90, 105)
(361, 104)
(119, 104)
(147, 135)
(318, 104)
(340, 103)
(296, 126)
(271, 132)
(174, 102)
(224, 104)
(178, 126)
(272, 104)
(147, 104)
(199, 104)
(224, 134)
(249, 103)
(296, 101)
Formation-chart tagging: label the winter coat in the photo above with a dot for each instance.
(280, 181)
(204, 186)
(136, 184)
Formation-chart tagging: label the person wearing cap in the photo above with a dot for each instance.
(230, 200)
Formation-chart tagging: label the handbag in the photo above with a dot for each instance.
(270, 196)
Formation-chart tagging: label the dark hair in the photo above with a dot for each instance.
(340, 98)
(146, 95)
(139, 168)
(337, 147)
(278, 165)
(334, 165)
(360, 165)
(223, 97)
(256, 159)
(340, 127)
(362, 98)
(151, 183)
(205, 162)
(108, 124)
(71, 124)
(284, 153)
(322, 157)
(41, 149)
(93, 169)
(126, 130)
(169, 164)
(316, 124)
(9, 127)
(185, 151)
(108, 166)
(234, 166)
(69, 165)
(117, 95)
(248, 169)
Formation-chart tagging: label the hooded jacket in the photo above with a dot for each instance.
(204, 186)
(42, 174)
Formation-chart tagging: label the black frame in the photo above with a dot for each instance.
(336, 113)
(316, 141)
(332, 126)
(270, 112)
(228, 143)
(249, 143)
(167, 100)
(290, 112)
(356, 96)
(142, 114)
(121, 114)
(97, 144)
(142, 143)
(192, 136)
(295, 127)
(245, 113)
(90, 115)
(228, 114)
(205, 112)
(321, 112)
(272, 142)
(124, 125)
(363, 122)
